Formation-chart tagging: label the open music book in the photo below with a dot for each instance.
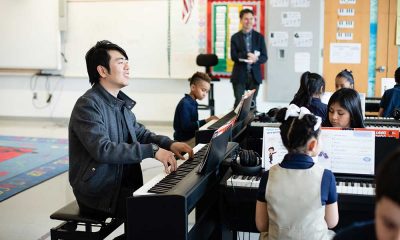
(347, 151)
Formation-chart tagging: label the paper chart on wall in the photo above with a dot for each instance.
(302, 62)
(345, 53)
(347, 2)
(278, 39)
(220, 31)
(279, 3)
(387, 83)
(303, 39)
(300, 3)
(291, 19)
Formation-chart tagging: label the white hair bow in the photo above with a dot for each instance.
(294, 111)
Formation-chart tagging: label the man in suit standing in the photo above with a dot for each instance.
(248, 51)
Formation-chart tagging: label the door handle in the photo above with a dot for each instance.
(381, 69)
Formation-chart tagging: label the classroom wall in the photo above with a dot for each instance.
(156, 89)
(156, 98)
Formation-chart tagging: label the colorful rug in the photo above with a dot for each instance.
(28, 161)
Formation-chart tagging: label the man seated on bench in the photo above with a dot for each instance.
(106, 143)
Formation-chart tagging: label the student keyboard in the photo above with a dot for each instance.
(243, 181)
(358, 188)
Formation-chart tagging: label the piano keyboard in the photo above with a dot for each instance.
(243, 181)
(265, 124)
(150, 186)
(357, 188)
(342, 187)
(381, 122)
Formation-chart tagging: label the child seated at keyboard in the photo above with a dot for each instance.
(391, 98)
(344, 79)
(387, 208)
(344, 110)
(186, 119)
(312, 87)
(297, 198)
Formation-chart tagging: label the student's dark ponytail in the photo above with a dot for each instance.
(296, 132)
(310, 84)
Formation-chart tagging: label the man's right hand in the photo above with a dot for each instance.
(252, 57)
(167, 159)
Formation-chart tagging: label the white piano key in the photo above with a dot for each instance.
(243, 181)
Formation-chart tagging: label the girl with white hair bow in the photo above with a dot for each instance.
(297, 198)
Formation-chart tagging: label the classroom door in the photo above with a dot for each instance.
(386, 49)
(346, 25)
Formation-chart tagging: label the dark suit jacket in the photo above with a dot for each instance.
(97, 151)
(238, 50)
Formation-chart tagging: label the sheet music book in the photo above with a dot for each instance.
(342, 151)
(273, 150)
(348, 151)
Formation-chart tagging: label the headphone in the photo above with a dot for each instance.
(396, 113)
(269, 116)
(246, 162)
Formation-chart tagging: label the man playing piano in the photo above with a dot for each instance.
(106, 143)
(387, 210)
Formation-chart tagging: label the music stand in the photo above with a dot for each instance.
(208, 61)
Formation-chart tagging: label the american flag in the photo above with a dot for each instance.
(187, 10)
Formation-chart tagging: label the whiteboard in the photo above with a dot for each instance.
(30, 37)
(140, 28)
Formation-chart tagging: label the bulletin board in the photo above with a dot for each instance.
(224, 21)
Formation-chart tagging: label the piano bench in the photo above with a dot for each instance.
(70, 229)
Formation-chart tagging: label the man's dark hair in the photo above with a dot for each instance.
(98, 55)
(348, 99)
(397, 75)
(388, 178)
(244, 11)
(199, 76)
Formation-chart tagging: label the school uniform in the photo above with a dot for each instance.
(390, 100)
(186, 119)
(318, 108)
(362, 230)
(297, 191)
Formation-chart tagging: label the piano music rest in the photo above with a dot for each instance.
(68, 230)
